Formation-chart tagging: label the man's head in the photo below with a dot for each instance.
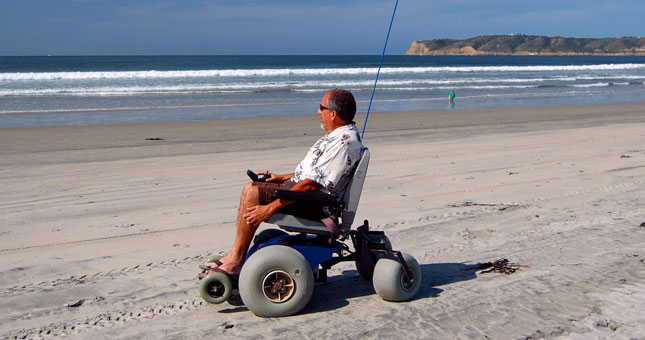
(337, 108)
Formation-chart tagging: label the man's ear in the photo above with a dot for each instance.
(336, 118)
(334, 114)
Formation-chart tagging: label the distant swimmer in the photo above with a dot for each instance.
(451, 95)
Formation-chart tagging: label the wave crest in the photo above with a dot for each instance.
(152, 74)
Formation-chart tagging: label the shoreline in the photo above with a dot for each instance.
(103, 228)
(209, 135)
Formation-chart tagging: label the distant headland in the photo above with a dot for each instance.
(519, 44)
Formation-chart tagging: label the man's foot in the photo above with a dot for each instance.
(223, 265)
(206, 272)
(227, 268)
(214, 264)
(211, 265)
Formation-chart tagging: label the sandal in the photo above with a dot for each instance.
(205, 267)
(206, 272)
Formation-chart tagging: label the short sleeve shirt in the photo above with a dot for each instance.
(332, 159)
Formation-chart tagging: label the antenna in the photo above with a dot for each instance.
(379, 69)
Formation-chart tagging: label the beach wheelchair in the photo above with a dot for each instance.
(281, 268)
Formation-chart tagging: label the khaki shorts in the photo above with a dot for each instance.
(265, 190)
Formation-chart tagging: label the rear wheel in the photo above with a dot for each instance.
(390, 281)
(276, 281)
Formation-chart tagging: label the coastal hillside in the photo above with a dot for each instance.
(518, 44)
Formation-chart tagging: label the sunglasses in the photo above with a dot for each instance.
(323, 108)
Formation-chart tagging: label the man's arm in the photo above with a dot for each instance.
(275, 178)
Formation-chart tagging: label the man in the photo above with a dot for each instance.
(327, 167)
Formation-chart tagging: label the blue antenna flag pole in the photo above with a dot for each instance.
(379, 69)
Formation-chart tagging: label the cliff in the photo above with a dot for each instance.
(529, 45)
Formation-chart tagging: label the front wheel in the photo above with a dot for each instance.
(367, 259)
(276, 281)
(213, 258)
(390, 281)
(216, 288)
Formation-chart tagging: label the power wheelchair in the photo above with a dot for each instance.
(281, 268)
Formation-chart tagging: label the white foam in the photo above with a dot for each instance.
(305, 86)
(152, 74)
(591, 85)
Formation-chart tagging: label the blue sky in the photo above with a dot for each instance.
(116, 27)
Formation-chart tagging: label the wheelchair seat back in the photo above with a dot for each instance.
(353, 192)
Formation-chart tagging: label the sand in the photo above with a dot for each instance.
(103, 227)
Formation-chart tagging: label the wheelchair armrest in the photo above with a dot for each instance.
(313, 197)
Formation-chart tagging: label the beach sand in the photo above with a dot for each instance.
(103, 227)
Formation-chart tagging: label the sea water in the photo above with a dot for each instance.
(86, 90)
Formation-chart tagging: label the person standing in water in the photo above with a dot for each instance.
(451, 96)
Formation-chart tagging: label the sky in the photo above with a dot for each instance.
(288, 27)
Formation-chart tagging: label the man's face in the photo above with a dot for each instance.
(325, 114)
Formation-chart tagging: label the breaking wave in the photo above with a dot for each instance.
(152, 74)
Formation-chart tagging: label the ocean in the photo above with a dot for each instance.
(89, 90)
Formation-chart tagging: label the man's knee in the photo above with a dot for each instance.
(248, 186)
(250, 194)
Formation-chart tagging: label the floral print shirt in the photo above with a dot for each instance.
(332, 159)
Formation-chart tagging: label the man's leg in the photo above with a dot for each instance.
(233, 261)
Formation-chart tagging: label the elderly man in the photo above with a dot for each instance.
(327, 167)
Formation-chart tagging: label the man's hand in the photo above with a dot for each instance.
(258, 214)
(272, 178)
(275, 178)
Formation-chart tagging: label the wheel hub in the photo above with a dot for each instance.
(407, 284)
(216, 289)
(278, 286)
